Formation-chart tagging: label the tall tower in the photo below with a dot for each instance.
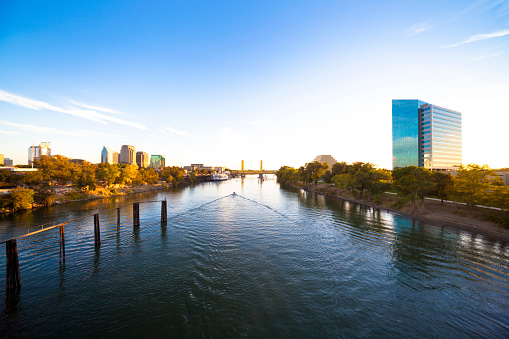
(127, 155)
(242, 167)
(261, 166)
(425, 135)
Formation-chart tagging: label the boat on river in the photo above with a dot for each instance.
(219, 177)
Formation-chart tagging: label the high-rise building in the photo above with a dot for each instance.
(1, 159)
(127, 155)
(425, 135)
(35, 152)
(326, 159)
(157, 161)
(109, 156)
(142, 159)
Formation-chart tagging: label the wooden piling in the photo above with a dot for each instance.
(13, 277)
(164, 211)
(97, 234)
(62, 245)
(136, 214)
(118, 220)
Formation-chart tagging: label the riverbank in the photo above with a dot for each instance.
(63, 195)
(449, 214)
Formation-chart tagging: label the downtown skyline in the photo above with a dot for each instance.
(221, 82)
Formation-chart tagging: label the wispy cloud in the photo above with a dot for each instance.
(487, 56)
(418, 28)
(95, 108)
(51, 130)
(175, 131)
(8, 132)
(88, 114)
(478, 37)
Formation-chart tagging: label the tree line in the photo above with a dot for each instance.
(38, 186)
(472, 184)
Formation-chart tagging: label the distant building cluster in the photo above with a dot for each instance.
(326, 159)
(129, 156)
(195, 167)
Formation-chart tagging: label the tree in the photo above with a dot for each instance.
(287, 174)
(413, 182)
(315, 170)
(340, 168)
(107, 173)
(150, 176)
(22, 198)
(32, 178)
(56, 168)
(128, 174)
(327, 176)
(443, 184)
(472, 183)
(84, 176)
(172, 174)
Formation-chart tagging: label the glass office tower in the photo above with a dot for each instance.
(405, 132)
(425, 135)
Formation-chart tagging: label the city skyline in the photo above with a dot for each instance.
(220, 83)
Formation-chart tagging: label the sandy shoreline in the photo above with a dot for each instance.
(448, 214)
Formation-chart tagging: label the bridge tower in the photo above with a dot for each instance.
(242, 167)
(261, 166)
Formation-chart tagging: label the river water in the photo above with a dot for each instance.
(267, 261)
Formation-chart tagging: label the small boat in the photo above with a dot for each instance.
(219, 177)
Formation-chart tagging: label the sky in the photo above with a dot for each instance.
(217, 82)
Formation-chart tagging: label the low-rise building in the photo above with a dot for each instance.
(8, 162)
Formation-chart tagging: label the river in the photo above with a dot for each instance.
(264, 262)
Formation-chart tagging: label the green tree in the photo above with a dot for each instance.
(128, 174)
(32, 178)
(340, 168)
(415, 183)
(315, 170)
(172, 174)
(287, 174)
(107, 174)
(150, 176)
(327, 176)
(472, 183)
(443, 185)
(21, 198)
(84, 176)
(55, 168)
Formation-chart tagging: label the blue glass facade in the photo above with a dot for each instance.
(425, 135)
(405, 132)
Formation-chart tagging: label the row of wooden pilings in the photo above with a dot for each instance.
(13, 277)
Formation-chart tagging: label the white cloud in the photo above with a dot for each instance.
(175, 131)
(51, 130)
(95, 108)
(419, 28)
(478, 37)
(8, 132)
(487, 56)
(85, 114)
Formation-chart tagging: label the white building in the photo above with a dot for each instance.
(109, 156)
(35, 152)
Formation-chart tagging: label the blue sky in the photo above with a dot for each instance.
(216, 82)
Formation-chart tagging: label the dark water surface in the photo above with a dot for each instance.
(267, 262)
